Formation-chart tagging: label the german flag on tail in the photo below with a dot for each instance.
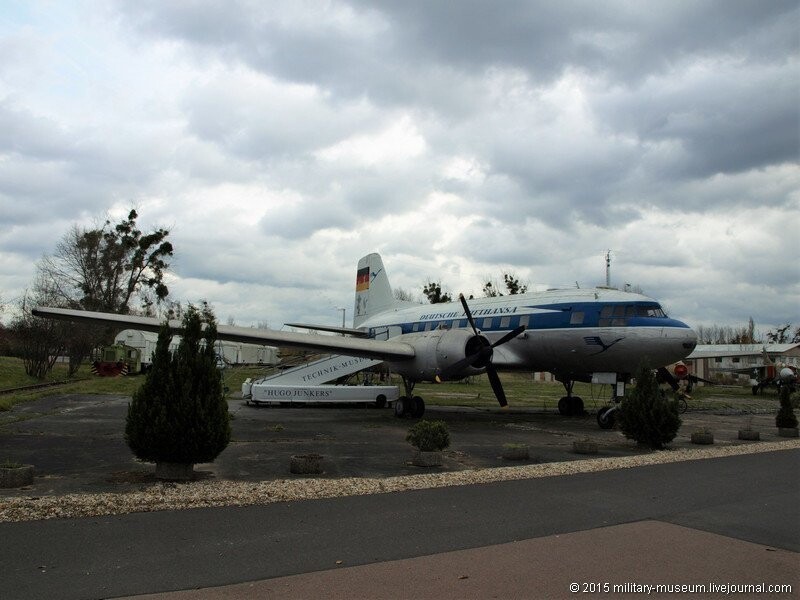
(362, 279)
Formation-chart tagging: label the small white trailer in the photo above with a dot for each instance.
(379, 395)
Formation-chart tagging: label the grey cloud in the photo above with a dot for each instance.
(620, 38)
(23, 133)
(730, 121)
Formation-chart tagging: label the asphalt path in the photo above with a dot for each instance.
(745, 507)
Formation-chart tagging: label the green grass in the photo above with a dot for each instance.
(521, 389)
(12, 375)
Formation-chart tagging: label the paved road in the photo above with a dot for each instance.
(689, 522)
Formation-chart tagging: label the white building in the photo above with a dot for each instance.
(234, 353)
(712, 360)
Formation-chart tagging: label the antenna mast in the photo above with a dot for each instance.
(608, 268)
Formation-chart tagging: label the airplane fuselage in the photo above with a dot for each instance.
(571, 333)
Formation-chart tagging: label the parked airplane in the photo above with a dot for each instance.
(769, 374)
(599, 335)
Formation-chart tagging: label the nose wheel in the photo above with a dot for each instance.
(606, 417)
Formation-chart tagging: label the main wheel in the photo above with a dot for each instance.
(683, 406)
(576, 406)
(417, 407)
(564, 407)
(401, 406)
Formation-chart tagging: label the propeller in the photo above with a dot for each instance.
(481, 357)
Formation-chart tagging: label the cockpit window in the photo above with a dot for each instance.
(616, 315)
(653, 310)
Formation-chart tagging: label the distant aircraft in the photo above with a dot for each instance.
(768, 374)
(596, 335)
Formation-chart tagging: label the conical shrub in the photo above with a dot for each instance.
(179, 414)
(646, 415)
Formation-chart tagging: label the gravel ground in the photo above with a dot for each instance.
(200, 494)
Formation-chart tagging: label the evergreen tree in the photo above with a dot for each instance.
(646, 415)
(179, 414)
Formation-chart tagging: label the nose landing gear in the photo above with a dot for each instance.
(606, 416)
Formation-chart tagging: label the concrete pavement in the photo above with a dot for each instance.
(726, 520)
(703, 522)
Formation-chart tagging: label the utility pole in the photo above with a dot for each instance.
(344, 310)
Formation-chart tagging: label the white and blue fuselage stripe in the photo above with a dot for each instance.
(572, 315)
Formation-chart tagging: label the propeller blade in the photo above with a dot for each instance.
(509, 336)
(484, 355)
(497, 387)
(468, 312)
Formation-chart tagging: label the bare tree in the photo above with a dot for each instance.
(433, 292)
(781, 335)
(107, 269)
(104, 269)
(727, 334)
(512, 285)
(38, 342)
(403, 295)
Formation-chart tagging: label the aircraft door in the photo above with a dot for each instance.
(385, 333)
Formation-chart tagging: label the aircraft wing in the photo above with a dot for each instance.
(343, 330)
(367, 348)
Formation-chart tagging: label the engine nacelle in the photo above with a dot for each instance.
(437, 350)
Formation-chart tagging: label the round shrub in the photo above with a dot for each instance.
(429, 436)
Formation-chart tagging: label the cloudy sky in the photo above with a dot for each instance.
(281, 141)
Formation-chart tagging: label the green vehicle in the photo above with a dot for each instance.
(119, 359)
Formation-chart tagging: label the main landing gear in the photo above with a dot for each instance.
(570, 405)
(409, 405)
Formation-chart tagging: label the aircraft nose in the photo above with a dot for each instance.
(691, 339)
(679, 341)
(687, 336)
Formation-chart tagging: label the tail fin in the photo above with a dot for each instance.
(767, 360)
(373, 292)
